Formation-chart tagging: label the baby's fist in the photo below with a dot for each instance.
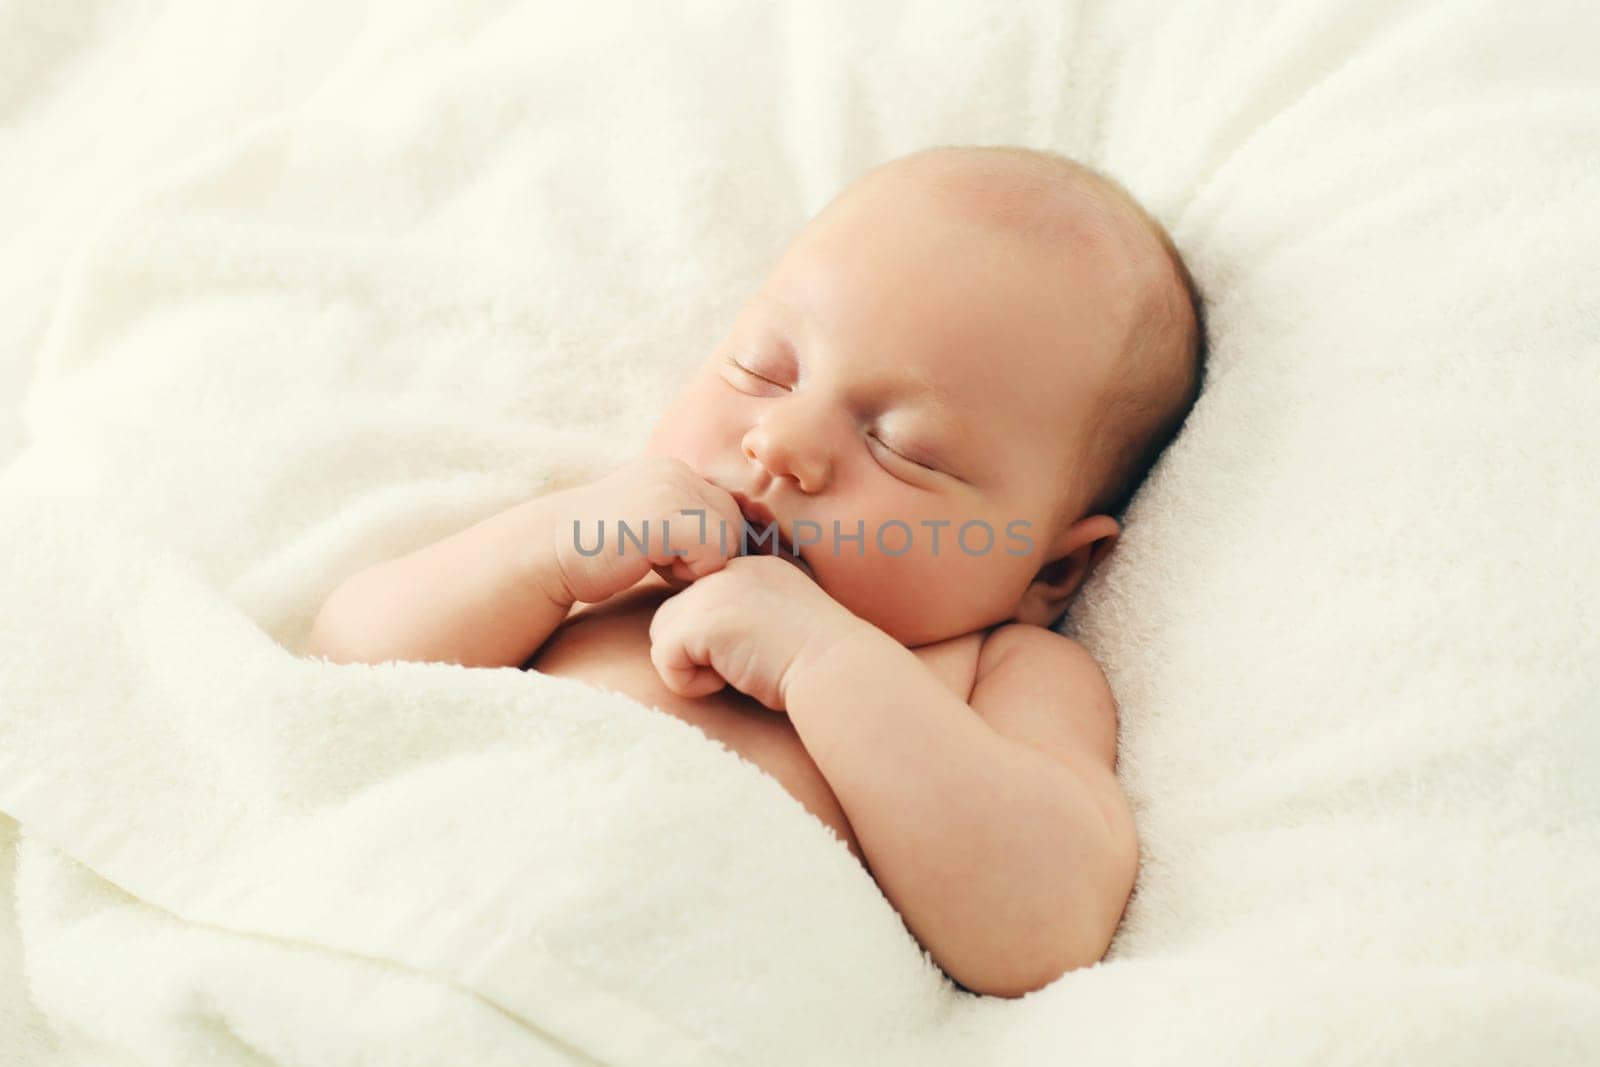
(672, 515)
(745, 627)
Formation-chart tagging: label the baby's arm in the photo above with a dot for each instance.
(487, 596)
(491, 595)
(996, 828)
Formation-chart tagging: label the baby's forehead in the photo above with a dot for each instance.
(1064, 223)
(1013, 194)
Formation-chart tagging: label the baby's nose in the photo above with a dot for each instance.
(788, 453)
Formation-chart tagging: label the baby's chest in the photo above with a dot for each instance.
(610, 648)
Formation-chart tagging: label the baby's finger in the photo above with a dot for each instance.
(677, 574)
(684, 670)
(724, 521)
(683, 551)
(700, 542)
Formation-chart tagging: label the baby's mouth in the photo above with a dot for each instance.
(752, 543)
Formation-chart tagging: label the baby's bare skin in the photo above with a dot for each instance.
(608, 645)
(913, 358)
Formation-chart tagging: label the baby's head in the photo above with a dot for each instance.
(972, 356)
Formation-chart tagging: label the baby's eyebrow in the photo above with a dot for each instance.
(910, 386)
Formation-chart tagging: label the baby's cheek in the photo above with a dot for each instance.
(914, 598)
(697, 429)
(675, 439)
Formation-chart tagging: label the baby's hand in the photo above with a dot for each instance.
(746, 627)
(660, 491)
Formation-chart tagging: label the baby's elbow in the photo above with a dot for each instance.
(1080, 939)
(323, 644)
(334, 635)
(1018, 974)
(1017, 977)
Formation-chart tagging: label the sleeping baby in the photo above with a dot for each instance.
(847, 540)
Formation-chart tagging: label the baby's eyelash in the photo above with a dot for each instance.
(741, 368)
(735, 364)
(901, 454)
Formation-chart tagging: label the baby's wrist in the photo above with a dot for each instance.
(541, 563)
(826, 654)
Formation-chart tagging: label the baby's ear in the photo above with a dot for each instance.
(1073, 555)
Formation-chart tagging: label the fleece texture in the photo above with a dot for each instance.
(296, 287)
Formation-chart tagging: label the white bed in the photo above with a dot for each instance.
(300, 286)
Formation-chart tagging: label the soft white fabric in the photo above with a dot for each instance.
(310, 286)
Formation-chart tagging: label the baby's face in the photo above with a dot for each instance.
(905, 372)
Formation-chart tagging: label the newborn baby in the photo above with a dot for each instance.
(850, 533)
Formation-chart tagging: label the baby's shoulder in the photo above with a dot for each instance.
(954, 661)
(1033, 680)
(1025, 640)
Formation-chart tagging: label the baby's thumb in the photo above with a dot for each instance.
(676, 574)
(691, 682)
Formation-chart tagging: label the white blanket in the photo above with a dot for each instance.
(308, 288)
